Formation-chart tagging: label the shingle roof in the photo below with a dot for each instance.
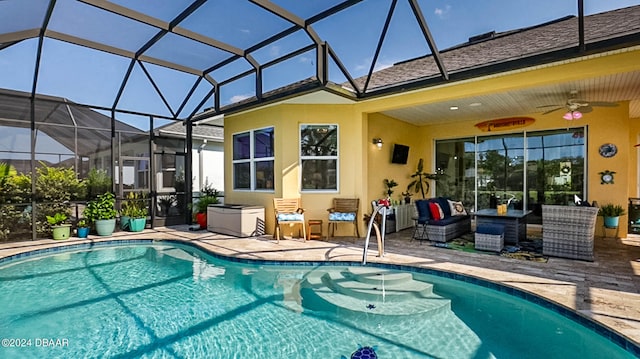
(512, 45)
(209, 132)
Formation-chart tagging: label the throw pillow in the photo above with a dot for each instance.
(457, 209)
(436, 211)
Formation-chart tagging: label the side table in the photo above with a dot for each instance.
(314, 233)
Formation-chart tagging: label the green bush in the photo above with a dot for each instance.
(103, 207)
(97, 182)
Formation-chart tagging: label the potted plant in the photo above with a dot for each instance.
(133, 212)
(611, 213)
(390, 184)
(102, 213)
(60, 229)
(165, 203)
(201, 209)
(407, 197)
(420, 181)
(83, 228)
(137, 211)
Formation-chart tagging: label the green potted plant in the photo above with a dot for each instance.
(60, 229)
(611, 213)
(82, 228)
(201, 208)
(102, 213)
(390, 184)
(137, 211)
(420, 181)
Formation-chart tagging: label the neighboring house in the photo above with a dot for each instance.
(207, 157)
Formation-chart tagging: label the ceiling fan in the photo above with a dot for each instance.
(576, 107)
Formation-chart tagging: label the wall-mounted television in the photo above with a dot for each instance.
(400, 154)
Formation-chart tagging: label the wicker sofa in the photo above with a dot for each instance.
(568, 231)
(439, 230)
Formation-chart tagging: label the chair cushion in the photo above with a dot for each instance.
(436, 211)
(283, 217)
(493, 229)
(444, 221)
(457, 209)
(342, 216)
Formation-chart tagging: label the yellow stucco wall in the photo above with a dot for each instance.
(363, 167)
(286, 120)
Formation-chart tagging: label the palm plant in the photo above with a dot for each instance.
(420, 182)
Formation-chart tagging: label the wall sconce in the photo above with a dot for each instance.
(378, 142)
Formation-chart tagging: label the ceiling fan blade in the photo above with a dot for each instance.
(585, 109)
(552, 110)
(603, 104)
(554, 105)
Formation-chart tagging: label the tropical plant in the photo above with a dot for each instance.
(103, 207)
(420, 181)
(82, 222)
(611, 210)
(204, 202)
(390, 184)
(57, 219)
(134, 206)
(97, 182)
(6, 171)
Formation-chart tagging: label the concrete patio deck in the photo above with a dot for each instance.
(606, 290)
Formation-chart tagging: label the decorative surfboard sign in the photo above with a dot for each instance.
(504, 124)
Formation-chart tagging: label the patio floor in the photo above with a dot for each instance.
(607, 290)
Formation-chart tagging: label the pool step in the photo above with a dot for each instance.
(372, 291)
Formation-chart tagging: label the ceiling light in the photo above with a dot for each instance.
(572, 115)
(453, 108)
(475, 104)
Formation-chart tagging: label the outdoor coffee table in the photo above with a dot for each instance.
(514, 222)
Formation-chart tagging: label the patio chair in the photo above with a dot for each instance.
(288, 211)
(568, 231)
(344, 210)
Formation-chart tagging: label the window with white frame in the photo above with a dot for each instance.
(253, 160)
(319, 157)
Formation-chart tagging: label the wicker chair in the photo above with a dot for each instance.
(568, 231)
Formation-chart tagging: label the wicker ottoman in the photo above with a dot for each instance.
(489, 237)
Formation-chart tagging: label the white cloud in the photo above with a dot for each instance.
(442, 13)
(274, 51)
(238, 98)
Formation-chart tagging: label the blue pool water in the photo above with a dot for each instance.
(174, 301)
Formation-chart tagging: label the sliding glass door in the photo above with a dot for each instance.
(522, 170)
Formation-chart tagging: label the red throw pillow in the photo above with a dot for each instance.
(435, 210)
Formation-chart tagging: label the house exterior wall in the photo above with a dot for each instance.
(286, 120)
(363, 167)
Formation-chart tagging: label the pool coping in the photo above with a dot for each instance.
(600, 328)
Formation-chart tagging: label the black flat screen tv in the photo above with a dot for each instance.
(400, 154)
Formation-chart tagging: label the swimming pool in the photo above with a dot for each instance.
(169, 300)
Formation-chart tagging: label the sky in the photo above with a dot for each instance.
(93, 77)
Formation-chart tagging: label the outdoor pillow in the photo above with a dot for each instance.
(444, 205)
(457, 209)
(436, 211)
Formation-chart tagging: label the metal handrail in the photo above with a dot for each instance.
(382, 209)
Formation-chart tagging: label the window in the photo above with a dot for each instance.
(319, 157)
(253, 160)
(523, 170)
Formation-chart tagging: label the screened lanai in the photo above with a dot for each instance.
(89, 84)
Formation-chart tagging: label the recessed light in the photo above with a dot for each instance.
(475, 104)
(453, 108)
